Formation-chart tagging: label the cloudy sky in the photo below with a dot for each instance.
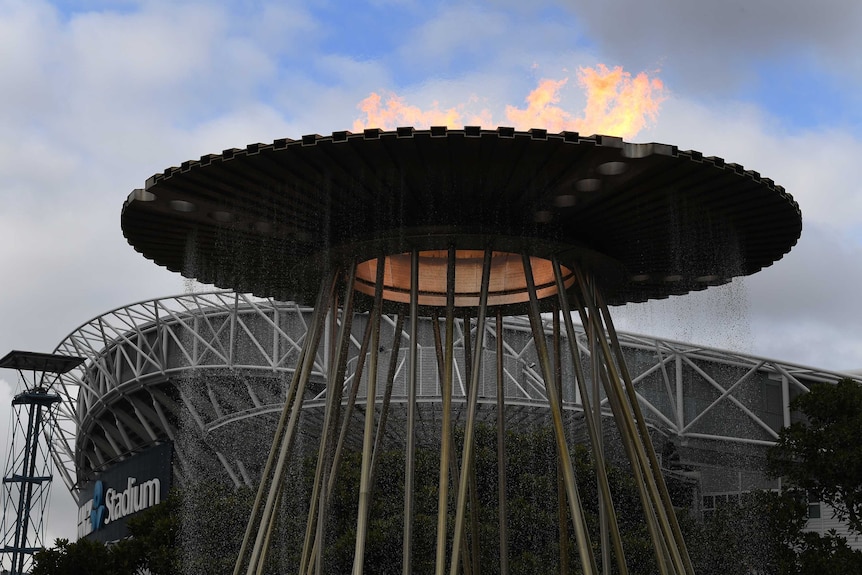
(96, 96)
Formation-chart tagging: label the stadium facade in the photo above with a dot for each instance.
(180, 388)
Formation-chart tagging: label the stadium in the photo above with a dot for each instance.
(179, 388)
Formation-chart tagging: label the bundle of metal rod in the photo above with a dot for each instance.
(414, 221)
(457, 548)
(672, 555)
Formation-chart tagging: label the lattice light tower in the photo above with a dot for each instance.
(478, 223)
(27, 481)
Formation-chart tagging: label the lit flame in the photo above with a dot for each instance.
(395, 113)
(542, 111)
(617, 104)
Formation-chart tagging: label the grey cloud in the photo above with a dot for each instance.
(816, 167)
(800, 310)
(708, 45)
(477, 37)
(818, 281)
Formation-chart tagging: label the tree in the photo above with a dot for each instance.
(757, 535)
(153, 541)
(151, 548)
(822, 455)
(533, 514)
(211, 513)
(82, 557)
(764, 535)
(828, 553)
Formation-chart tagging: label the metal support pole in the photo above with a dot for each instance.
(593, 421)
(501, 451)
(632, 442)
(351, 402)
(620, 418)
(294, 395)
(562, 520)
(23, 497)
(387, 397)
(339, 369)
(640, 441)
(37, 431)
(333, 399)
(28, 478)
(453, 457)
(454, 478)
(446, 429)
(664, 495)
(268, 466)
(585, 551)
(410, 452)
(472, 486)
(368, 433)
(453, 462)
(345, 424)
(467, 457)
(261, 547)
(270, 529)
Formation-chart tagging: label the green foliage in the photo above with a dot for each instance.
(533, 509)
(757, 536)
(153, 539)
(829, 553)
(823, 455)
(82, 557)
(152, 546)
(763, 535)
(214, 517)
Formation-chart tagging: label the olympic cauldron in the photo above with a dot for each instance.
(430, 223)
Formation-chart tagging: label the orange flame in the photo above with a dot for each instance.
(541, 111)
(617, 105)
(396, 113)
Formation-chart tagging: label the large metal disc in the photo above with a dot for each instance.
(647, 219)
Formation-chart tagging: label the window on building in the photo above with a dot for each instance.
(814, 510)
(813, 506)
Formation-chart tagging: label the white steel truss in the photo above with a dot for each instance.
(155, 363)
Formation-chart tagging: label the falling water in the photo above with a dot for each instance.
(717, 317)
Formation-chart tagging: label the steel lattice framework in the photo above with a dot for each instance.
(138, 380)
(28, 476)
(27, 481)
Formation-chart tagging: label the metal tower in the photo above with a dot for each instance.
(484, 224)
(28, 473)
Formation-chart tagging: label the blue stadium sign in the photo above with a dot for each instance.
(122, 491)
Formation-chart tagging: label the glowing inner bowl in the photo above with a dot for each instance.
(507, 284)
